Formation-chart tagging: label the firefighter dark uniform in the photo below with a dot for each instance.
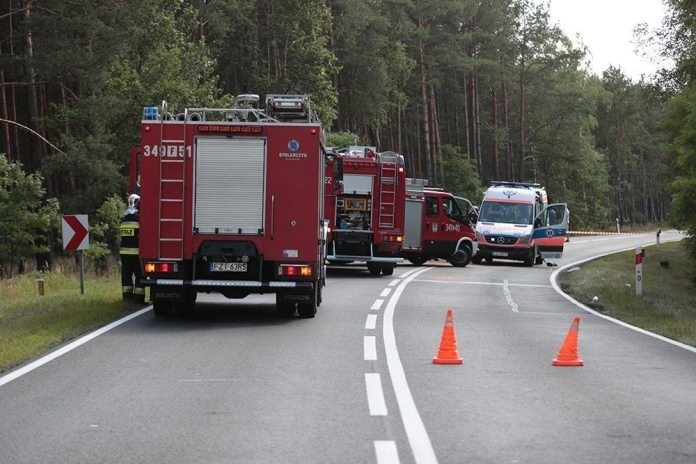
(131, 274)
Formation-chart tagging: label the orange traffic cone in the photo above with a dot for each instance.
(448, 354)
(568, 352)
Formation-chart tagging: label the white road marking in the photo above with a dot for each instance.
(508, 296)
(449, 282)
(375, 396)
(370, 348)
(69, 347)
(371, 322)
(385, 292)
(377, 305)
(386, 452)
(207, 380)
(418, 438)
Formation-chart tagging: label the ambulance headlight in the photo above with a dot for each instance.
(524, 239)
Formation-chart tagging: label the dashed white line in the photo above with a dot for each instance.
(376, 305)
(386, 452)
(385, 292)
(371, 322)
(370, 348)
(375, 396)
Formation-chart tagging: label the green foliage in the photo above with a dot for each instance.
(461, 178)
(680, 128)
(27, 219)
(342, 139)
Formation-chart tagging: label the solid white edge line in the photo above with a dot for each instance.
(418, 438)
(69, 347)
(370, 348)
(554, 284)
(386, 452)
(375, 395)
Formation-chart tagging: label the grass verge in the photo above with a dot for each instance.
(32, 324)
(668, 302)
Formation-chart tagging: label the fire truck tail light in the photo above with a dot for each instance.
(295, 270)
(313, 131)
(160, 268)
(394, 238)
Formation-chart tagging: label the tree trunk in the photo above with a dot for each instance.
(31, 102)
(496, 141)
(508, 138)
(425, 111)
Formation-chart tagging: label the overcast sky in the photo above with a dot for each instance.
(606, 28)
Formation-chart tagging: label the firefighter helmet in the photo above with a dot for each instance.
(134, 200)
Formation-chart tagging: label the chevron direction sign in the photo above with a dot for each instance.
(75, 232)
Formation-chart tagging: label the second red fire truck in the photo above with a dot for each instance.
(365, 194)
(221, 190)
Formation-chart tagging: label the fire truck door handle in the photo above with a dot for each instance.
(272, 216)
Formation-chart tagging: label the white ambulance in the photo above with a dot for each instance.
(516, 222)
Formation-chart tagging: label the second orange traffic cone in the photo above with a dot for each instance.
(448, 353)
(568, 352)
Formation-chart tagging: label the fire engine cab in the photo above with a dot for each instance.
(232, 203)
(364, 195)
(438, 225)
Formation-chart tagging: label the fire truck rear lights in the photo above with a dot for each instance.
(394, 238)
(160, 267)
(295, 270)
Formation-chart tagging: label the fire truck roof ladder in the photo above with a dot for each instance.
(388, 179)
(171, 195)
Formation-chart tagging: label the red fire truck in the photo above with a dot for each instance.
(438, 225)
(365, 207)
(232, 203)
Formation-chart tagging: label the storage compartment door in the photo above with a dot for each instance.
(230, 181)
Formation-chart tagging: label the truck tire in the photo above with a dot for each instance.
(162, 308)
(476, 259)
(418, 260)
(375, 269)
(388, 269)
(309, 310)
(461, 257)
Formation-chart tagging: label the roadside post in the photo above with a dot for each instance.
(76, 238)
(657, 235)
(618, 226)
(640, 254)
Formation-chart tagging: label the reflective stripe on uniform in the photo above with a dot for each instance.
(127, 289)
(139, 291)
(128, 251)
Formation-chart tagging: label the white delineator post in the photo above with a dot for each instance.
(640, 254)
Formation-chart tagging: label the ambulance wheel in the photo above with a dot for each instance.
(162, 308)
(388, 270)
(476, 259)
(461, 257)
(375, 269)
(418, 260)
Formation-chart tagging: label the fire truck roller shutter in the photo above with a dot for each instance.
(230, 179)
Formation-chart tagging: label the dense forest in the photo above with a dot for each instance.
(468, 91)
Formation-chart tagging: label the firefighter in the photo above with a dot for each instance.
(130, 264)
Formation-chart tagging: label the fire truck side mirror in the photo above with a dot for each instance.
(338, 172)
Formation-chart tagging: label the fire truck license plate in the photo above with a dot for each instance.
(228, 267)
(502, 254)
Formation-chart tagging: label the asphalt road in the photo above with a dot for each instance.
(236, 384)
